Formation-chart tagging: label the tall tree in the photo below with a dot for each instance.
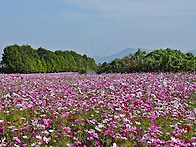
(25, 59)
(12, 59)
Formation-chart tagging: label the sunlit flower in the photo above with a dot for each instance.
(48, 122)
(40, 127)
(90, 138)
(152, 115)
(66, 128)
(25, 137)
(64, 115)
(153, 121)
(97, 143)
(54, 116)
(70, 145)
(17, 139)
(38, 137)
(46, 140)
(78, 142)
(114, 145)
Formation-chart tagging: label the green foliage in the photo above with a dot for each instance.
(164, 60)
(25, 59)
(12, 59)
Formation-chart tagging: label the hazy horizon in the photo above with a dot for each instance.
(109, 26)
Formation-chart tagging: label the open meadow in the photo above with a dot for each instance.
(71, 109)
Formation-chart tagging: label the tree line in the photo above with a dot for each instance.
(25, 59)
(159, 60)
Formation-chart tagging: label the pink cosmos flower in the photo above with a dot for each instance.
(152, 115)
(54, 116)
(97, 143)
(47, 122)
(66, 128)
(90, 138)
(17, 139)
(78, 142)
(46, 132)
(153, 121)
(87, 121)
(154, 127)
(64, 115)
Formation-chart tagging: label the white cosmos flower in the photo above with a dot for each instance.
(38, 137)
(118, 109)
(116, 117)
(194, 110)
(51, 131)
(114, 145)
(46, 139)
(39, 126)
(25, 137)
(101, 125)
(97, 128)
(122, 115)
(104, 121)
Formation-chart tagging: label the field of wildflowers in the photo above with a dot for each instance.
(69, 109)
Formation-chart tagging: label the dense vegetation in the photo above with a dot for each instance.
(162, 60)
(25, 59)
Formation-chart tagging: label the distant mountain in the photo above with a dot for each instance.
(193, 51)
(121, 54)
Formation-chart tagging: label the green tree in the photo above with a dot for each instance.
(28, 66)
(12, 59)
(44, 65)
(25, 59)
(40, 67)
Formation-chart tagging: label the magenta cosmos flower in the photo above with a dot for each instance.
(1, 130)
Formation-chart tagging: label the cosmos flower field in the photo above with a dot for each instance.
(70, 109)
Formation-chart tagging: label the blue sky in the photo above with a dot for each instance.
(112, 25)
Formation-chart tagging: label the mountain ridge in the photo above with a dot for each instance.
(193, 51)
(125, 52)
(121, 54)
